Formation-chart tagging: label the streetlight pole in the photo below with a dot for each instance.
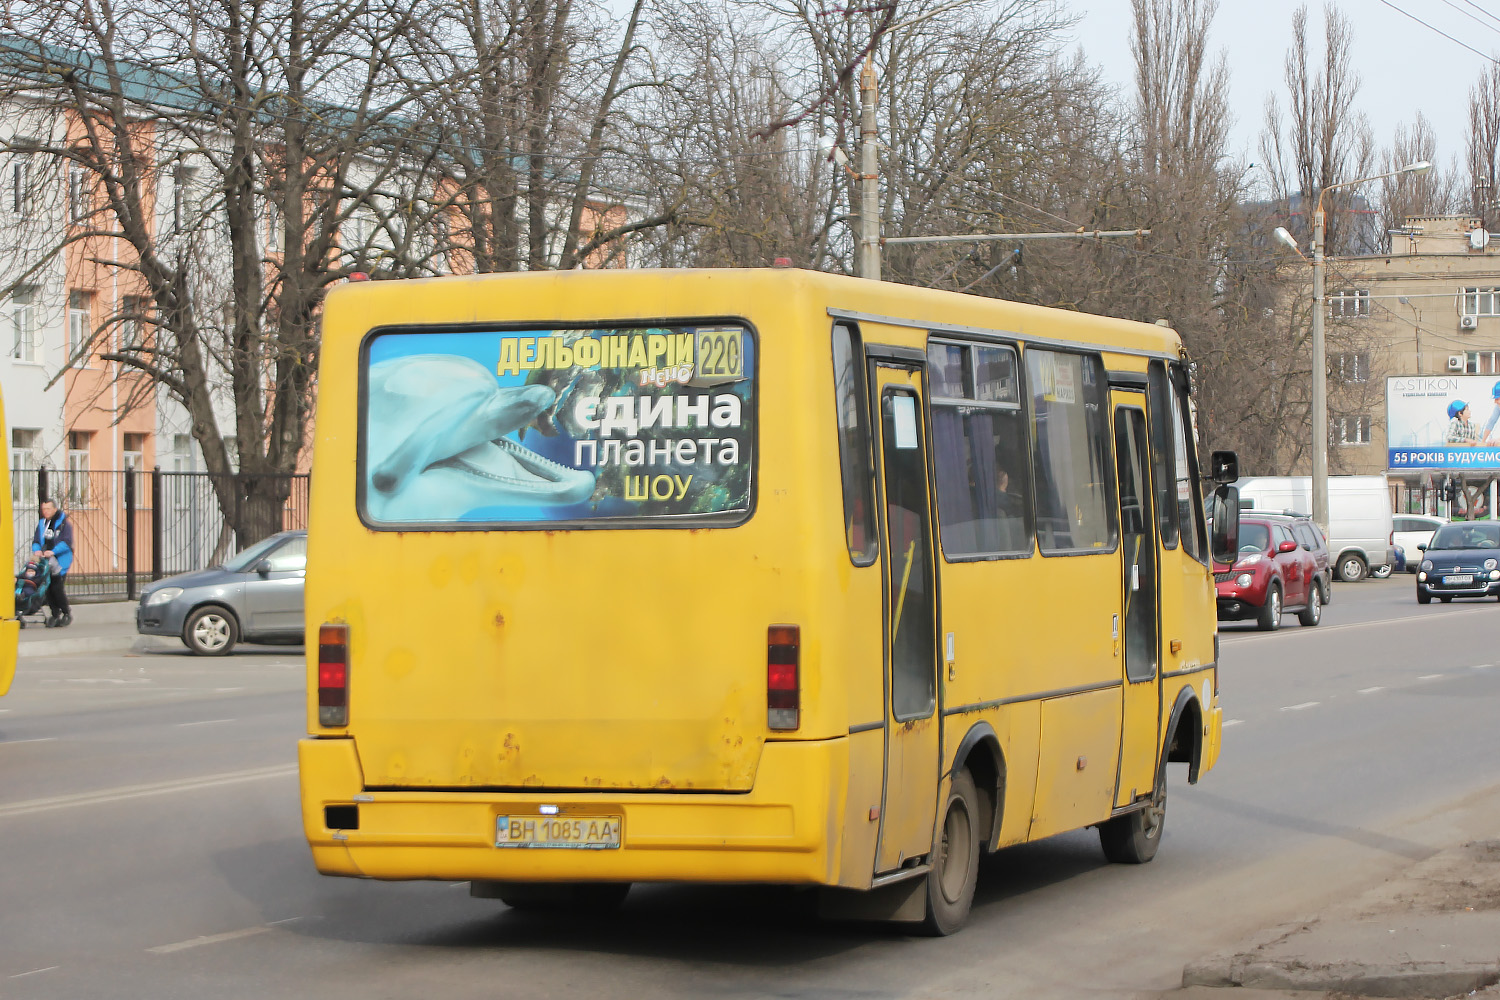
(1319, 349)
(869, 177)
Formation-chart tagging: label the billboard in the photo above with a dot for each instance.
(543, 427)
(1421, 434)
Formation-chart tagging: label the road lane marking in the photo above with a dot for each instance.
(1231, 638)
(1371, 690)
(1233, 722)
(1300, 707)
(205, 722)
(127, 792)
(243, 932)
(1429, 677)
(37, 739)
(35, 972)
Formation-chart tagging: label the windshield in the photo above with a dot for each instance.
(1254, 537)
(249, 557)
(1466, 536)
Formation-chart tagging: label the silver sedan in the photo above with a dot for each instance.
(254, 597)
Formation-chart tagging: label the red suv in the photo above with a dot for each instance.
(1275, 572)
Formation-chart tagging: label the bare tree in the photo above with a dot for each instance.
(239, 156)
(1484, 142)
(1322, 140)
(1431, 193)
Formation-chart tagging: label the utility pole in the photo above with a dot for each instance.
(869, 177)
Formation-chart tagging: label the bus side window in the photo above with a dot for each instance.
(855, 460)
(1071, 454)
(1185, 451)
(1162, 472)
(979, 450)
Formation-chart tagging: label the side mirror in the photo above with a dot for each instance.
(263, 567)
(1421, 546)
(1287, 547)
(1224, 515)
(1224, 467)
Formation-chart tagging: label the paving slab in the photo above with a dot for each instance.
(1434, 932)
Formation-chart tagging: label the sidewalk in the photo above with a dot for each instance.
(1434, 932)
(96, 628)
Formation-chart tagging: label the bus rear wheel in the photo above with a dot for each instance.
(955, 859)
(581, 897)
(1132, 839)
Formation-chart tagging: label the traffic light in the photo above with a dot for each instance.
(1450, 491)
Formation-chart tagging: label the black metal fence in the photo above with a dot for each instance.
(131, 526)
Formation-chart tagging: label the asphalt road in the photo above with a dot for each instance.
(150, 843)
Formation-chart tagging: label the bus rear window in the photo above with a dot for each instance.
(537, 427)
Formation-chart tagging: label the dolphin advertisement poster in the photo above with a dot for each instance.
(1443, 422)
(540, 426)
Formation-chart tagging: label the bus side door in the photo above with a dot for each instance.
(1140, 622)
(909, 800)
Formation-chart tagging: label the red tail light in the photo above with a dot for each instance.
(783, 677)
(333, 675)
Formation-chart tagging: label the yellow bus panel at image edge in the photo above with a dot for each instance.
(622, 668)
(10, 628)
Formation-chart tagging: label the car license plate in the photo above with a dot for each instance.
(1450, 580)
(589, 833)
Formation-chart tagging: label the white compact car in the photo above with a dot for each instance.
(1411, 530)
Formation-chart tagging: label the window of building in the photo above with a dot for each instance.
(1349, 303)
(78, 468)
(1482, 362)
(25, 344)
(1353, 366)
(1481, 302)
(80, 195)
(854, 445)
(1354, 429)
(979, 450)
(182, 453)
(135, 451)
(21, 200)
(25, 459)
(184, 197)
(1070, 452)
(80, 327)
(135, 314)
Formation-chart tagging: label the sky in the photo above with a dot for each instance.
(1403, 67)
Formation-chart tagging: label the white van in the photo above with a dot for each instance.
(1359, 517)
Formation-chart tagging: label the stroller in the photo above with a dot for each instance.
(31, 589)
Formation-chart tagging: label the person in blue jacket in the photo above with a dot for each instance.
(54, 540)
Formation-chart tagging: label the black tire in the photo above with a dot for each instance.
(1269, 619)
(211, 631)
(1423, 597)
(955, 859)
(1381, 572)
(1352, 568)
(1132, 839)
(1313, 613)
(1446, 600)
(589, 897)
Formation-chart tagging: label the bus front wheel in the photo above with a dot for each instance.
(1132, 839)
(955, 859)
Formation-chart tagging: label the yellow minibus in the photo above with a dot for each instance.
(747, 576)
(10, 625)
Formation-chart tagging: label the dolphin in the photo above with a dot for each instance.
(437, 445)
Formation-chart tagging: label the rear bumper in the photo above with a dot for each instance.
(785, 830)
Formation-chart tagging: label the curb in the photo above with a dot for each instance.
(1365, 980)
